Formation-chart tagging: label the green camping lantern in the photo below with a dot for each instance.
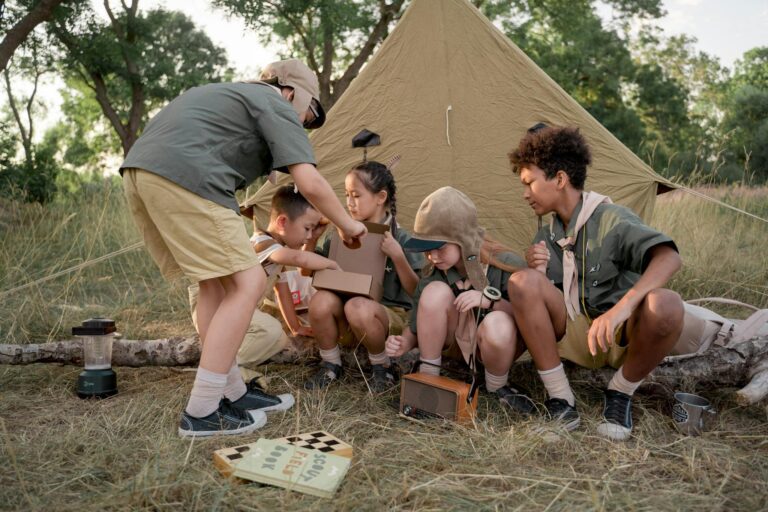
(98, 379)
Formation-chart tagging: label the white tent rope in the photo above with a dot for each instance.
(138, 245)
(718, 202)
(79, 266)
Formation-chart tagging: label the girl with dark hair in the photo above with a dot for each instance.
(370, 190)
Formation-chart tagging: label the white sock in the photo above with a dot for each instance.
(382, 359)
(620, 383)
(206, 393)
(494, 382)
(557, 384)
(433, 368)
(235, 387)
(332, 355)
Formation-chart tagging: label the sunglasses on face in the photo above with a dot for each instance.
(313, 110)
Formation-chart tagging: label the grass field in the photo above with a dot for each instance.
(60, 453)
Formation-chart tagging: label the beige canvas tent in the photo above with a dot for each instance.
(452, 95)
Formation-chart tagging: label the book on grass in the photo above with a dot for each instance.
(276, 462)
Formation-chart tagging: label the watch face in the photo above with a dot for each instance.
(492, 293)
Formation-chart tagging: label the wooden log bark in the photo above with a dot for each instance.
(745, 365)
(163, 352)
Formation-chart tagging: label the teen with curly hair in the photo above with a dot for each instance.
(595, 283)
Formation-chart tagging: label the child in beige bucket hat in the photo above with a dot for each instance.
(467, 276)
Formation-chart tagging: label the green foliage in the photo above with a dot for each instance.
(746, 120)
(32, 179)
(334, 37)
(592, 62)
(83, 134)
(132, 66)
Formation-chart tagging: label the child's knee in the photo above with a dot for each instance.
(359, 311)
(498, 330)
(324, 303)
(525, 285)
(437, 296)
(663, 310)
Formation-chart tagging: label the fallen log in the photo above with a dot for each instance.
(744, 365)
(176, 351)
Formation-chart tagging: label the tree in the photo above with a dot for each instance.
(22, 20)
(334, 37)
(590, 60)
(137, 62)
(34, 176)
(746, 119)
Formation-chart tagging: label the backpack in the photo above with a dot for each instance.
(703, 327)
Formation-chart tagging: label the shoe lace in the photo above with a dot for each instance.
(227, 407)
(556, 407)
(616, 409)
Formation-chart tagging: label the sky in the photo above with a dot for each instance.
(723, 28)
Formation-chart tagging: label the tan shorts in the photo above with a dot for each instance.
(398, 319)
(573, 346)
(184, 233)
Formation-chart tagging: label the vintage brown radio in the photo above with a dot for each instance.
(422, 394)
(427, 395)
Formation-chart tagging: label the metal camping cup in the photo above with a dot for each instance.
(689, 412)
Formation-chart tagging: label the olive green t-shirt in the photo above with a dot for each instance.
(218, 138)
(393, 294)
(497, 278)
(616, 254)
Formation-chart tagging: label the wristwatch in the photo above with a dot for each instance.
(492, 294)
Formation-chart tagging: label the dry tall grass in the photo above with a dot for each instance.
(61, 453)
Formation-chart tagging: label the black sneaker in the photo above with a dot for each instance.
(327, 373)
(226, 420)
(256, 399)
(617, 416)
(383, 377)
(515, 398)
(560, 411)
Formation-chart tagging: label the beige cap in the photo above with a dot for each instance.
(449, 215)
(294, 73)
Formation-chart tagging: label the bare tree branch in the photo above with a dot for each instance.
(19, 32)
(25, 137)
(379, 32)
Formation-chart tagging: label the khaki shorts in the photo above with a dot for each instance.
(398, 319)
(184, 233)
(573, 346)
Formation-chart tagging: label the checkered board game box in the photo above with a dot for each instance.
(226, 458)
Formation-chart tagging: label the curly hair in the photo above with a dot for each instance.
(553, 149)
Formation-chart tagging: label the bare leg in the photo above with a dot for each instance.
(227, 327)
(496, 339)
(369, 322)
(539, 314)
(326, 316)
(652, 331)
(209, 298)
(436, 319)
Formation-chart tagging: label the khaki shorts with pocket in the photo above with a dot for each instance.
(573, 346)
(184, 233)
